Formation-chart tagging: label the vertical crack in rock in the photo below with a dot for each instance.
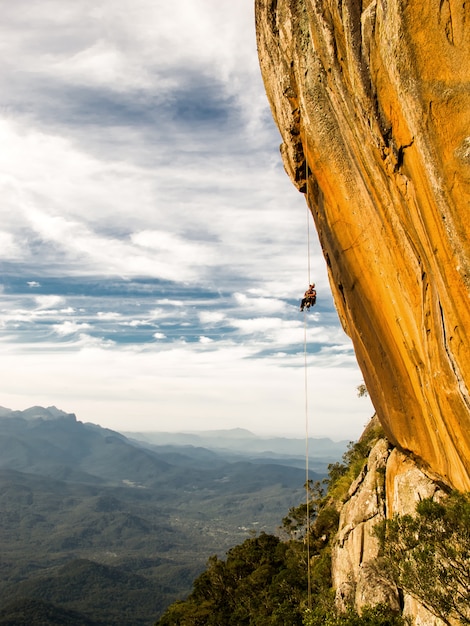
(446, 18)
(461, 383)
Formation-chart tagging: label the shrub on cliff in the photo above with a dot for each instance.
(342, 474)
(379, 615)
(428, 555)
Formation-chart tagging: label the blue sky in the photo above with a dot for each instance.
(153, 251)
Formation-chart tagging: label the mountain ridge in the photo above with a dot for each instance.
(78, 496)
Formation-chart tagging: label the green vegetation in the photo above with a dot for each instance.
(121, 531)
(341, 475)
(26, 612)
(260, 582)
(371, 616)
(263, 581)
(428, 555)
(100, 529)
(123, 554)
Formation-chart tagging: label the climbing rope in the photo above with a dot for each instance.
(307, 490)
(308, 223)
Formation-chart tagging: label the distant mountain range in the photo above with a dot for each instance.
(243, 443)
(85, 510)
(49, 442)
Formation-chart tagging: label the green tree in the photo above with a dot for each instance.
(428, 555)
(260, 583)
(301, 517)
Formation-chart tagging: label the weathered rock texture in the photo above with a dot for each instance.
(372, 98)
(389, 484)
(356, 549)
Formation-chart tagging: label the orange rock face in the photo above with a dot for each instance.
(372, 98)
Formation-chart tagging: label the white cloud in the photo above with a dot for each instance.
(176, 249)
(210, 317)
(48, 302)
(136, 143)
(258, 324)
(137, 323)
(109, 315)
(205, 340)
(69, 328)
(260, 304)
(101, 63)
(9, 248)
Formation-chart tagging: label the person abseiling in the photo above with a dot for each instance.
(309, 299)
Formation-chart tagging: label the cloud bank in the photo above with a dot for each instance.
(152, 250)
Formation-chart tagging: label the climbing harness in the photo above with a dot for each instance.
(309, 299)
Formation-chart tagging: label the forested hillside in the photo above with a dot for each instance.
(288, 579)
(263, 581)
(101, 529)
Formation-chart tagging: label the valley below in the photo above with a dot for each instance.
(100, 527)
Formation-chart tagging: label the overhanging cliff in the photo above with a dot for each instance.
(372, 99)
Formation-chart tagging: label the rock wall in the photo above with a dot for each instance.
(372, 99)
(389, 484)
